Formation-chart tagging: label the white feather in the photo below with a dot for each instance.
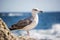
(33, 24)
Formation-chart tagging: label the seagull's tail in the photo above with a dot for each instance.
(13, 27)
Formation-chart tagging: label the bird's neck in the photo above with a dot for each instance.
(34, 15)
(35, 18)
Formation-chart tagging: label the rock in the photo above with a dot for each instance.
(26, 38)
(5, 33)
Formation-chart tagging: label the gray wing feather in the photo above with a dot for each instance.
(21, 24)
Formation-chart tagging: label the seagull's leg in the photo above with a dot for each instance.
(28, 33)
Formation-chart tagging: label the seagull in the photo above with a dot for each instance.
(27, 23)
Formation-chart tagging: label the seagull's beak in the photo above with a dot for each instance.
(41, 11)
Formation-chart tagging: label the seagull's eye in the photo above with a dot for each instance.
(35, 9)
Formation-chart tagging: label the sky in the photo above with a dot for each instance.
(28, 5)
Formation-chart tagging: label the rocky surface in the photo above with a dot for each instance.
(5, 33)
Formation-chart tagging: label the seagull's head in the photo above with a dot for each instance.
(36, 10)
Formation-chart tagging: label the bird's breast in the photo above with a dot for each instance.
(33, 24)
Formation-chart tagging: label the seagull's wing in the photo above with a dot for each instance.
(21, 24)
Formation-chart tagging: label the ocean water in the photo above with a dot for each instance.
(46, 19)
(43, 31)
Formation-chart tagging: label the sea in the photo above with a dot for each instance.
(43, 31)
(46, 19)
